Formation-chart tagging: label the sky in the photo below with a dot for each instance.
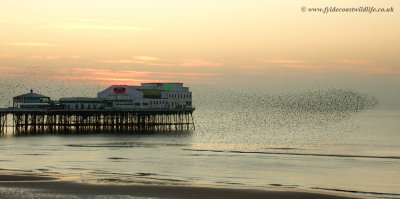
(226, 42)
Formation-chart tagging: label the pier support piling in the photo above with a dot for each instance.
(81, 121)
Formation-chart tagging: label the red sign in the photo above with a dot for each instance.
(119, 90)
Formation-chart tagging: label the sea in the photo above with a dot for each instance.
(333, 140)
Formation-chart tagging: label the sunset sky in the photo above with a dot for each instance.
(199, 41)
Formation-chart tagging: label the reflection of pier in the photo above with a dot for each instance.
(27, 121)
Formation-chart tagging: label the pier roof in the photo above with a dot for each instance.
(31, 94)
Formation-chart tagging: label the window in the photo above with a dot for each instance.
(76, 106)
(82, 106)
(109, 104)
(44, 100)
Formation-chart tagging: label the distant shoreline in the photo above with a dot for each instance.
(34, 186)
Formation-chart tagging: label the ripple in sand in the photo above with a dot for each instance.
(117, 158)
(284, 186)
(355, 191)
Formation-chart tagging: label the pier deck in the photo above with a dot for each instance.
(27, 121)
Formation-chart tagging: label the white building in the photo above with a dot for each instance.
(147, 96)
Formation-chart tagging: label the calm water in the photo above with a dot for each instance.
(241, 139)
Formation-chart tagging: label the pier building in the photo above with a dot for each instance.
(31, 100)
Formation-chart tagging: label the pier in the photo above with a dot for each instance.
(38, 121)
(117, 109)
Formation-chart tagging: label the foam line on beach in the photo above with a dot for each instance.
(299, 154)
(126, 145)
(18, 178)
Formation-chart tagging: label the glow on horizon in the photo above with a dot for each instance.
(105, 76)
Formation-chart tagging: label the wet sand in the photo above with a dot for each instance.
(22, 186)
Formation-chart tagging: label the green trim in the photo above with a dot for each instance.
(150, 92)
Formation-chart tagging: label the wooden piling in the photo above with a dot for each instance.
(27, 121)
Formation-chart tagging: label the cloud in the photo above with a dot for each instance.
(197, 62)
(126, 74)
(382, 70)
(136, 59)
(365, 66)
(23, 20)
(146, 60)
(96, 25)
(44, 57)
(11, 69)
(353, 62)
(353, 66)
(31, 44)
(277, 60)
(116, 61)
(74, 56)
(302, 66)
(84, 24)
(155, 61)
(6, 55)
(280, 65)
(106, 76)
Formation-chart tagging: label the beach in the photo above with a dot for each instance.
(34, 186)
